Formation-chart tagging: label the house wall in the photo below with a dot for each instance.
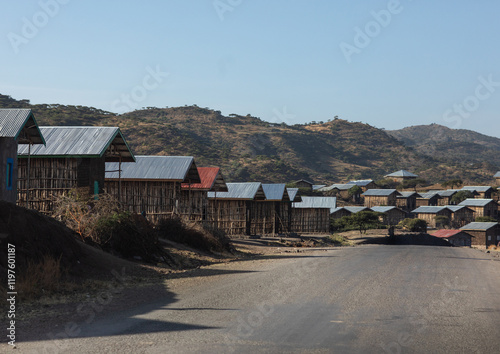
(371, 201)
(8, 154)
(462, 218)
(157, 199)
(193, 204)
(431, 218)
(393, 217)
(461, 239)
(230, 216)
(340, 214)
(89, 171)
(48, 180)
(489, 210)
(311, 220)
(407, 204)
(485, 238)
(262, 218)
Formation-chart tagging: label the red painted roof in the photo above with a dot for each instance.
(446, 233)
(208, 175)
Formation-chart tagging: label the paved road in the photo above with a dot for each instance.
(367, 299)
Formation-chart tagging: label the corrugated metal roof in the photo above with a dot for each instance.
(339, 186)
(361, 182)
(303, 180)
(477, 188)
(448, 192)
(408, 194)
(241, 191)
(401, 173)
(356, 209)
(276, 192)
(455, 208)
(81, 142)
(429, 195)
(14, 121)
(497, 175)
(211, 180)
(476, 202)
(429, 209)
(317, 202)
(380, 192)
(318, 186)
(158, 168)
(446, 233)
(481, 226)
(384, 209)
(293, 194)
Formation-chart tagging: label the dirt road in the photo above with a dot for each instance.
(365, 299)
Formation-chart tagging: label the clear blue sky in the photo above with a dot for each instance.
(416, 62)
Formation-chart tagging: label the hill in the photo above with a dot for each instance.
(451, 145)
(249, 149)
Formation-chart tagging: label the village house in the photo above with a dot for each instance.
(73, 157)
(483, 192)
(484, 233)
(293, 194)
(152, 185)
(446, 196)
(340, 190)
(401, 176)
(430, 213)
(457, 238)
(231, 211)
(460, 215)
(338, 213)
(273, 215)
(194, 196)
(392, 215)
(312, 214)
(428, 199)
(17, 126)
(497, 178)
(407, 201)
(384, 197)
(302, 183)
(481, 207)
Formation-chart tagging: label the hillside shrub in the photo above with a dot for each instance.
(413, 225)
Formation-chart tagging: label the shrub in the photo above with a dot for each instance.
(200, 237)
(362, 221)
(486, 219)
(442, 221)
(413, 225)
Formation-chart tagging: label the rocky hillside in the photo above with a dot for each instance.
(249, 149)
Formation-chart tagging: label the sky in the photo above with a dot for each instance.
(390, 64)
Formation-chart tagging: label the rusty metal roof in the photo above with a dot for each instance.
(240, 191)
(447, 233)
(211, 180)
(66, 142)
(21, 125)
(156, 168)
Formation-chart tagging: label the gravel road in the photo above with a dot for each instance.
(366, 299)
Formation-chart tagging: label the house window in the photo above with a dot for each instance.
(489, 238)
(498, 238)
(10, 174)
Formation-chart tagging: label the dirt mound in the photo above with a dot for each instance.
(35, 236)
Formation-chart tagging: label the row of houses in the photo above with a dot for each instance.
(42, 163)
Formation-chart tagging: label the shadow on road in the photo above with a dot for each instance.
(413, 239)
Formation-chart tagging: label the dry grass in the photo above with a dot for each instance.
(40, 278)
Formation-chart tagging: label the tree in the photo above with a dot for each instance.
(354, 192)
(459, 197)
(365, 219)
(442, 221)
(387, 183)
(486, 219)
(414, 183)
(452, 183)
(414, 225)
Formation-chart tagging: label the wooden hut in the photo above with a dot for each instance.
(338, 213)
(484, 233)
(383, 197)
(73, 157)
(458, 238)
(429, 214)
(428, 199)
(365, 184)
(312, 214)
(460, 215)
(152, 185)
(281, 205)
(232, 211)
(497, 178)
(483, 192)
(401, 176)
(302, 183)
(446, 196)
(194, 196)
(341, 190)
(293, 194)
(481, 207)
(391, 215)
(407, 201)
(17, 126)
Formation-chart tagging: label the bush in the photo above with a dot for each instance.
(486, 219)
(413, 225)
(204, 238)
(362, 221)
(442, 221)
